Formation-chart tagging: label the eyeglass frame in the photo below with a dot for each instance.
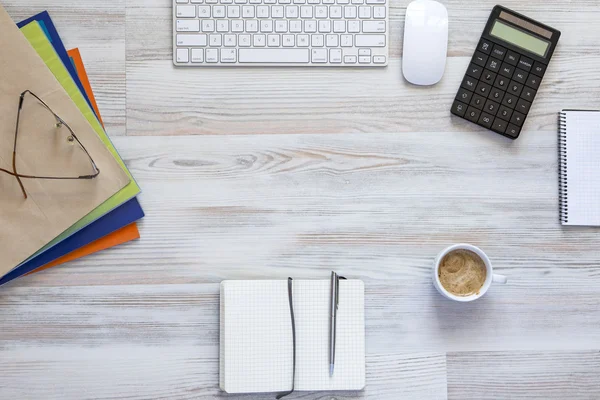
(72, 137)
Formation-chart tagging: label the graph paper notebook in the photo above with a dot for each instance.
(579, 172)
(256, 336)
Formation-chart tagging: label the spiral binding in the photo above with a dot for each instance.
(563, 186)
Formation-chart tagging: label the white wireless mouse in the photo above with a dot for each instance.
(425, 42)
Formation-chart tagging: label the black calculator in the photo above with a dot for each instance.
(505, 73)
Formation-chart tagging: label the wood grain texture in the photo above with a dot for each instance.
(164, 100)
(524, 375)
(143, 317)
(97, 28)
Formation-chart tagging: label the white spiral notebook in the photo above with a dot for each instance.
(579, 167)
(256, 353)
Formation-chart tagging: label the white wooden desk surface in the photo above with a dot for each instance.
(295, 172)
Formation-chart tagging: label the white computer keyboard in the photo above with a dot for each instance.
(280, 32)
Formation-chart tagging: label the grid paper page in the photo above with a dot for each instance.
(583, 167)
(256, 336)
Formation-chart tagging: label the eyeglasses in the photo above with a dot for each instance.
(71, 138)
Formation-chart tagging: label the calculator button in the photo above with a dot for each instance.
(499, 52)
(496, 94)
(493, 64)
(501, 82)
(474, 70)
(504, 113)
(533, 81)
(491, 107)
(469, 83)
(480, 59)
(525, 63)
(485, 46)
(510, 100)
(472, 114)
(512, 58)
(499, 125)
(488, 77)
(464, 95)
(515, 88)
(517, 119)
(523, 106)
(520, 76)
(538, 68)
(478, 102)
(459, 108)
(513, 131)
(483, 89)
(528, 94)
(507, 70)
(486, 120)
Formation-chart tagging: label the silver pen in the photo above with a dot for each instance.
(335, 300)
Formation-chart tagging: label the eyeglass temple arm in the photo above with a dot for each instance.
(14, 160)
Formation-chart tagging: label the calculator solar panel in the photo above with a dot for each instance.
(505, 73)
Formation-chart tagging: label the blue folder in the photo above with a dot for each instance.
(121, 216)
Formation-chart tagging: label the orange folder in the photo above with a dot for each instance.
(123, 235)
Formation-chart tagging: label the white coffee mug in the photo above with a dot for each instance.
(490, 276)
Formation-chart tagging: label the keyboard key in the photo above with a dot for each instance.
(347, 40)
(325, 26)
(373, 26)
(513, 131)
(266, 25)
(507, 70)
(510, 100)
(251, 25)
(512, 58)
(480, 59)
(379, 59)
(475, 71)
(517, 119)
(230, 40)
(222, 25)
(485, 46)
(464, 95)
(204, 11)
(493, 64)
(289, 40)
(364, 59)
(212, 55)
(369, 40)
(483, 89)
(499, 52)
(520, 76)
(488, 77)
(528, 94)
(259, 40)
(469, 83)
(197, 55)
(281, 26)
(277, 11)
(319, 55)
(332, 40)
(458, 108)
(335, 56)
(296, 26)
(233, 11)
(186, 11)
(273, 40)
(302, 40)
(350, 59)
(477, 101)
(523, 106)
(515, 88)
(335, 12)
(499, 125)
(244, 40)
(191, 40)
(491, 107)
(339, 26)
(306, 12)
(501, 82)
(525, 63)
(379, 12)
(350, 12)
(183, 55)
(228, 55)
(533, 81)
(364, 52)
(496, 94)
(472, 114)
(364, 12)
(292, 11)
(208, 25)
(317, 40)
(188, 25)
(353, 26)
(504, 112)
(215, 40)
(538, 68)
(274, 56)
(485, 120)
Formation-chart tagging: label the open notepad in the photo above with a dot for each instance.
(579, 172)
(256, 336)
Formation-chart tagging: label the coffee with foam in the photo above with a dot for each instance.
(462, 273)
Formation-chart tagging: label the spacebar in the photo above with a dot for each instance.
(273, 56)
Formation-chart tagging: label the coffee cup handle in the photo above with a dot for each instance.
(499, 278)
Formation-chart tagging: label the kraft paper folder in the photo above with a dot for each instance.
(53, 206)
(40, 43)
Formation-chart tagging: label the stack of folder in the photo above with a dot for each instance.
(60, 220)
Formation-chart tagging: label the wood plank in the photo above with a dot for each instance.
(332, 100)
(524, 375)
(98, 29)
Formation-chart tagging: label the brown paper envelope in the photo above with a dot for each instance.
(52, 206)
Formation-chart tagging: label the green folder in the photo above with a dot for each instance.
(39, 41)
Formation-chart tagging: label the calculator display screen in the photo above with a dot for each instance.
(520, 38)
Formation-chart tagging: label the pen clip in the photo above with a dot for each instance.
(337, 289)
